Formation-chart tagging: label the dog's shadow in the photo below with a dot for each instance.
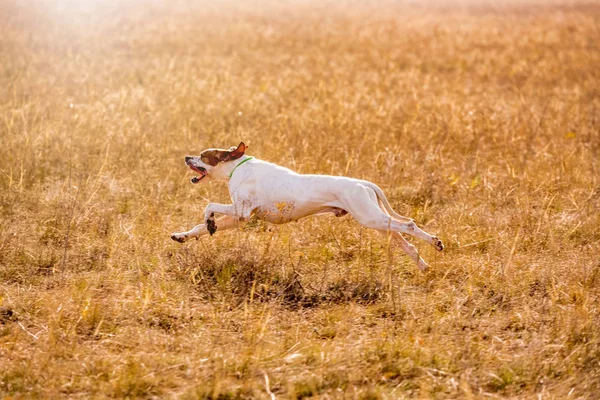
(239, 277)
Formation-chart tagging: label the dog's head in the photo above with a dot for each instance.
(211, 161)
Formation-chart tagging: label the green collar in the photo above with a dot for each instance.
(247, 159)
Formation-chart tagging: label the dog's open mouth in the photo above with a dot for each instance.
(199, 170)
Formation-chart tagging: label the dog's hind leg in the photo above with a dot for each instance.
(408, 249)
(402, 224)
(406, 226)
(410, 228)
(226, 222)
(361, 202)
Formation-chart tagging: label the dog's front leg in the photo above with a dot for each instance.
(200, 230)
(228, 209)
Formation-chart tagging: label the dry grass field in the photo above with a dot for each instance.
(480, 120)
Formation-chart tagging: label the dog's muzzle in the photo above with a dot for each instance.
(199, 170)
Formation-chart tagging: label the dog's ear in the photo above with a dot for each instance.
(235, 152)
(215, 156)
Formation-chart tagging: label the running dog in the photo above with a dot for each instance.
(279, 195)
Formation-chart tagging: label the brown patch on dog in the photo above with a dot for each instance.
(214, 156)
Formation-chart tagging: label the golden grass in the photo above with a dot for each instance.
(480, 121)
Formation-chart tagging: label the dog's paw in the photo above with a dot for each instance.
(437, 243)
(211, 225)
(178, 237)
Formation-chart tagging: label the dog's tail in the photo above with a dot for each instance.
(384, 203)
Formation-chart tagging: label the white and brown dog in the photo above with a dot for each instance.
(279, 195)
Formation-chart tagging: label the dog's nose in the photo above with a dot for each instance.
(187, 158)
